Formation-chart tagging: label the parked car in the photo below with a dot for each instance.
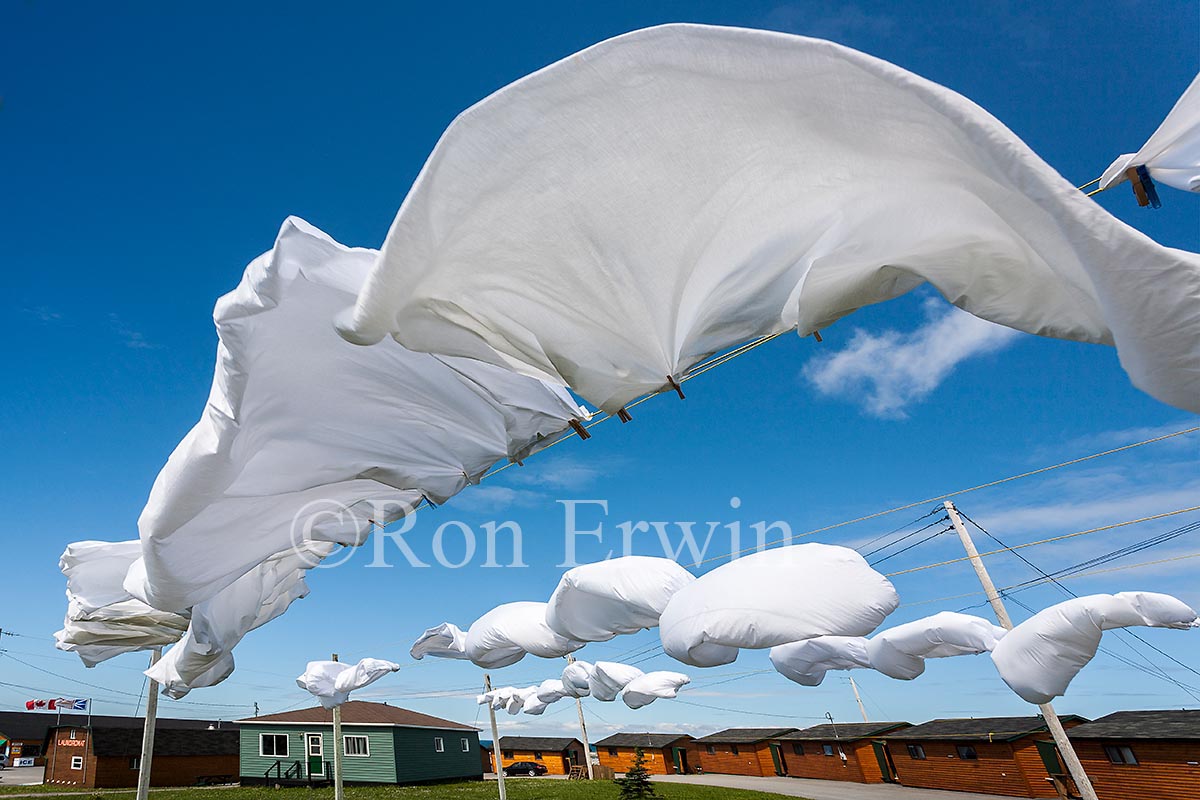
(530, 768)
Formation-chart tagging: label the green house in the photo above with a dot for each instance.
(383, 744)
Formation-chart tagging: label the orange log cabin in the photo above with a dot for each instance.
(841, 752)
(739, 751)
(664, 753)
(1142, 755)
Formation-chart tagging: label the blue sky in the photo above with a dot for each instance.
(152, 151)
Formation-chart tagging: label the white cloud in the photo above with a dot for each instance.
(889, 371)
(491, 498)
(564, 473)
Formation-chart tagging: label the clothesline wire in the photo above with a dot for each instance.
(959, 492)
(1047, 540)
(917, 543)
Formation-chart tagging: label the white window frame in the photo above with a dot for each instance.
(76, 762)
(287, 745)
(366, 745)
(439, 744)
(466, 744)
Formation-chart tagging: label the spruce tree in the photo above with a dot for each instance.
(636, 785)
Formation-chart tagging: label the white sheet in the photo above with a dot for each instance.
(609, 221)
(1039, 658)
(659, 685)
(774, 597)
(595, 602)
(807, 660)
(1172, 153)
(900, 652)
(332, 682)
(504, 635)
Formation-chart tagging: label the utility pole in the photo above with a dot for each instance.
(339, 792)
(487, 688)
(147, 757)
(861, 708)
(587, 748)
(1074, 765)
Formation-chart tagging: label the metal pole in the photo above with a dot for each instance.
(339, 791)
(487, 687)
(587, 748)
(144, 762)
(1053, 723)
(861, 708)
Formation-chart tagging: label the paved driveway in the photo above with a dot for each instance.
(824, 790)
(21, 776)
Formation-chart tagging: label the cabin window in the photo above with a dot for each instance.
(612, 751)
(827, 749)
(135, 763)
(1118, 754)
(798, 748)
(273, 744)
(356, 746)
(733, 749)
(506, 753)
(537, 755)
(76, 762)
(916, 752)
(465, 744)
(439, 746)
(710, 749)
(966, 752)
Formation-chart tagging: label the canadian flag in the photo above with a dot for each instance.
(41, 705)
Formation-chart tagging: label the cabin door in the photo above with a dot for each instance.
(886, 768)
(315, 748)
(680, 756)
(777, 759)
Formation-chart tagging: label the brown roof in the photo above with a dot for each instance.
(845, 731)
(360, 712)
(743, 735)
(1001, 729)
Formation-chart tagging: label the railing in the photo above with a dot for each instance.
(295, 771)
(278, 767)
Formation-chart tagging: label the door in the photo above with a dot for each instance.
(315, 748)
(1049, 754)
(886, 768)
(777, 759)
(680, 756)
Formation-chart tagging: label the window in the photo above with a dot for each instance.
(827, 749)
(733, 749)
(76, 762)
(916, 752)
(72, 733)
(537, 755)
(273, 744)
(1119, 754)
(438, 745)
(798, 748)
(356, 746)
(612, 751)
(135, 763)
(708, 748)
(506, 753)
(966, 752)
(466, 745)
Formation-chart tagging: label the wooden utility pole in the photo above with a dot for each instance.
(487, 688)
(145, 762)
(587, 748)
(861, 708)
(339, 791)
(1074, 765)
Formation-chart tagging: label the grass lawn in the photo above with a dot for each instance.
(518, 789)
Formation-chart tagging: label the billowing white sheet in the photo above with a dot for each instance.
(303, 432)
(807, 660)
(442, 641)
(609, 221)
(1039, 658)
(595, 602)
(774, 597)
(1172, 153)
(900, 652)
(576, 678)
(505, 634)
(331, 682)
(659, 685)
(102, 619)
(606, 679)
(551, 690)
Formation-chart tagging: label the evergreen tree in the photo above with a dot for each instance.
(636, 785)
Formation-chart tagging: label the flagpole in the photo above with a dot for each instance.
(57, 727)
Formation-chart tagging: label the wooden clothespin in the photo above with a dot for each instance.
(817, 336)
(577, 426)
(623, 415)
(678, 389)
(1143, 187)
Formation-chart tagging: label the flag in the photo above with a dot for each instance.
(39, 705)
(57, 704)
